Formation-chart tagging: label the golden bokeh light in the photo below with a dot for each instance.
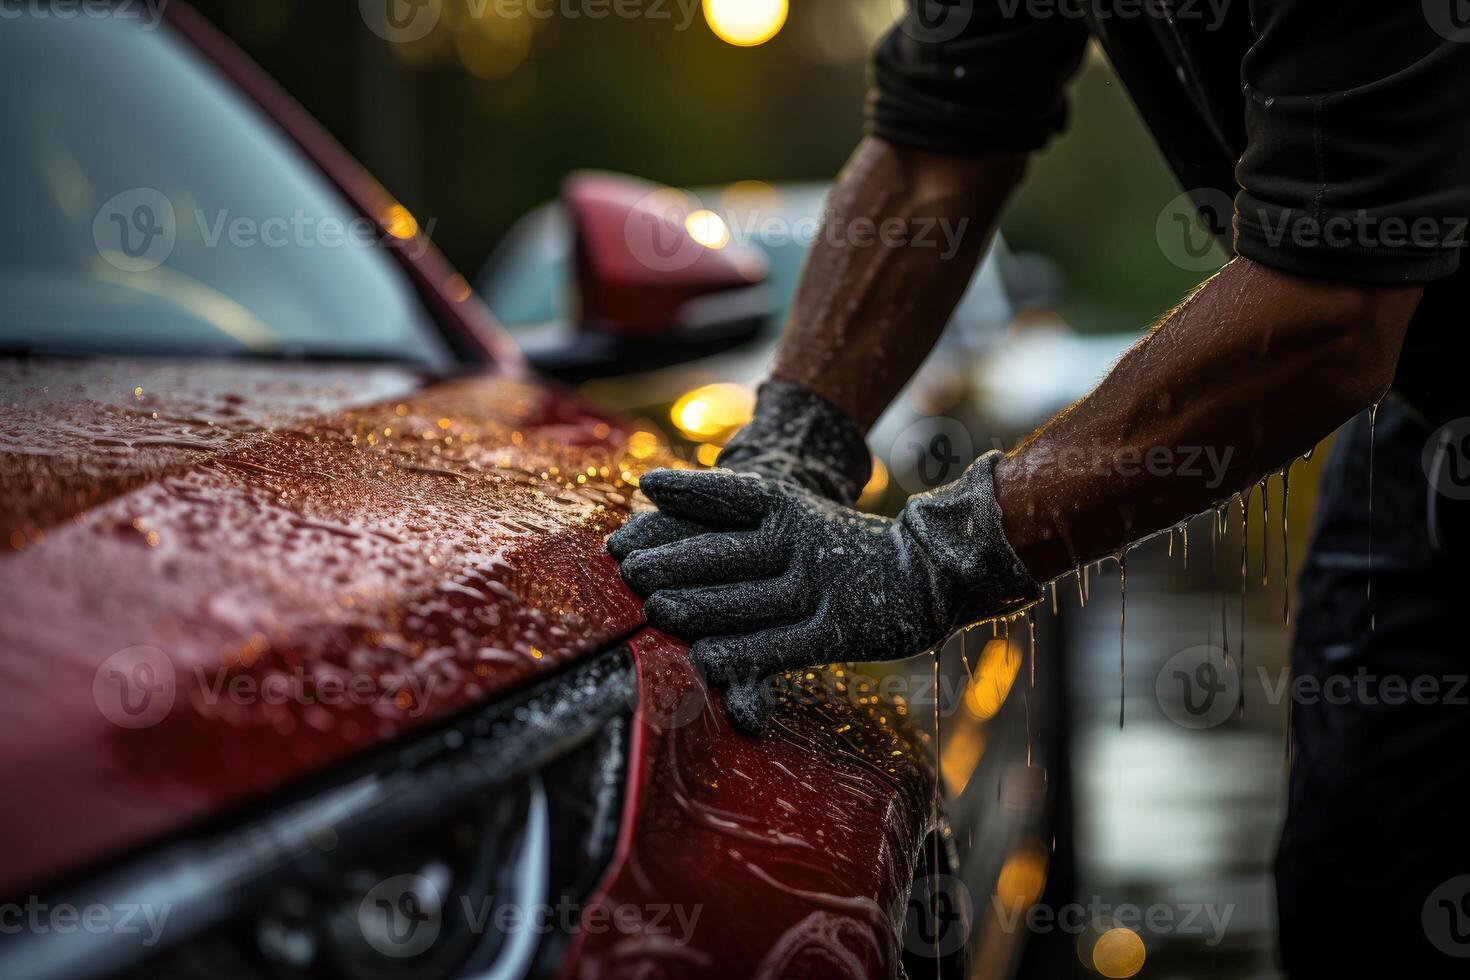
(399, 222)
(1118, 953)
(745, 23)
(642, 444)
(961, 755)
(707, 454)
(1000, 661)
(876, 486)
(1022, 876)
(708, 229)
(712, 413)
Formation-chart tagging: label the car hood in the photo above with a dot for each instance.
(222, 576)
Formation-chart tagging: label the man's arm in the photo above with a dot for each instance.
(866, 314)
(1253, 370)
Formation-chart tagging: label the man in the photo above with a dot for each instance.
(1343, 133)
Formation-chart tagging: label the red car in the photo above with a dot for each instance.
(313, 663)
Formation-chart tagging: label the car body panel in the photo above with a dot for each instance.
(243, 533)
(242, 541)
(791, 855)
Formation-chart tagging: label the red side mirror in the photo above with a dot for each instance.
(643, 252)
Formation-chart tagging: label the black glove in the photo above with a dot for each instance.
(796, 436)
(767, 575)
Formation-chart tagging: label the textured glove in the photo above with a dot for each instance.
(796, 436)
(767, 575)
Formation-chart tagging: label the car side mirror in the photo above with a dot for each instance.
(659, 281)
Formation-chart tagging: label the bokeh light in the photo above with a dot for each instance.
(745, 23)
(712, 413)
(1118, 953)
(708, 229)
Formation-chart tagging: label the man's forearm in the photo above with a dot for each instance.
(1251, 371)
(901, 237)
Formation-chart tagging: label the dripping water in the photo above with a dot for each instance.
(1265, 529)
(1122, 625)
(1286, 544)
(1031, 626)
(1184, 541)
(1372, 430)
(1245, 524)
(934, 870)
(1054, 597)
(1219, 525)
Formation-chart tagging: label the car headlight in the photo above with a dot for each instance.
(463, 851)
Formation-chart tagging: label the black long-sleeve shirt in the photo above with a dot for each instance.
(1350, 121)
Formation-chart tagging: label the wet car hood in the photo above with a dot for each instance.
(218, 577)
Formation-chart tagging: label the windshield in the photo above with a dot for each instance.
(150, 210)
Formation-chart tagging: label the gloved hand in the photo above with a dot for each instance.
(797, 436)
(765, 574)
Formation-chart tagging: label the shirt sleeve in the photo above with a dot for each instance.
(1358, 122)
(974, 76)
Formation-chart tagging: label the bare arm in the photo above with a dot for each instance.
(866, 313)
(1254, 369)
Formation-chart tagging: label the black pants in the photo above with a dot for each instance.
(1376, 827)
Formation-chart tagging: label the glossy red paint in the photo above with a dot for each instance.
(791, 856)
(241, 540)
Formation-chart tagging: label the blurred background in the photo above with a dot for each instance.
(475, 124)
